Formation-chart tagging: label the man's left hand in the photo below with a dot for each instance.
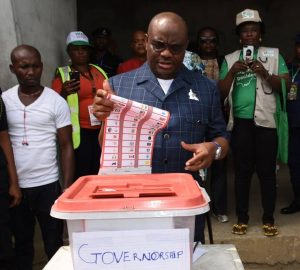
(204, 154)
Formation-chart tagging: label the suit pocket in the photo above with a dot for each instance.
(194, 127)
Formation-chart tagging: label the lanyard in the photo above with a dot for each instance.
(294, 75)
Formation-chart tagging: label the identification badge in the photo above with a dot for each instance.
(268, 53)
(94, 121)
(292, 94)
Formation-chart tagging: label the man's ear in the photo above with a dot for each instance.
(146, 41)
(12, 70)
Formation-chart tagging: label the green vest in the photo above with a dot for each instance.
(74, 103)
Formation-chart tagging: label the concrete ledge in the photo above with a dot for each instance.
(259, 250)
(293, 266)
(255, 249)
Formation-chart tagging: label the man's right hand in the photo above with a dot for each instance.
(15, 194)
(102, 107)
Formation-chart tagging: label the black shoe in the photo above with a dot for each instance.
(291, 209)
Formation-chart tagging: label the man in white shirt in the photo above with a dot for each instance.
(38, 118)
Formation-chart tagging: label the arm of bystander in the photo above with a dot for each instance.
(67, 154)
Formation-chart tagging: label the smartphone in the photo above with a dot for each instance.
(248, 52)
(75, 75)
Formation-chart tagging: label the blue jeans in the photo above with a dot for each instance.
(36, 204)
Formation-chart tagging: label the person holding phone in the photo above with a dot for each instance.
(249, 78)
(77, 83)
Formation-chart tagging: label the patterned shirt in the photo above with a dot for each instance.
(194, 104)
(209, 68)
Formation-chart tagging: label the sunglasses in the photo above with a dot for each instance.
(208, 40)
(159, 46)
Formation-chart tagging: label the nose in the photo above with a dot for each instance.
(249, 33)
(30, 71)
(166, 52)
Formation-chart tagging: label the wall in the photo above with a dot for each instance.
(43, 24)
(46, 23)
(8, 40)
(123, 17)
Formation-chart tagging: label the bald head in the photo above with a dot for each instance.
(166, 44)
(169, 21)
(26, 64)
(23, 50)
(138, 33)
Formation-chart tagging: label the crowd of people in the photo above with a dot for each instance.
(49, 137)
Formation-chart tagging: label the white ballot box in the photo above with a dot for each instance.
(212, 257)
(135, 212)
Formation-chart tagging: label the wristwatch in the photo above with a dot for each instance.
(218, 152)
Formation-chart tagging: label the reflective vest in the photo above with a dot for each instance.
(74, 103)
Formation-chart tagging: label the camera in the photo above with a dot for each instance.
(248, 52)
(75, 75)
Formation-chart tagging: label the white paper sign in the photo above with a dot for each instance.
(132, 250)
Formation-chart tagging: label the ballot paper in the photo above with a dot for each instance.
(129, 135)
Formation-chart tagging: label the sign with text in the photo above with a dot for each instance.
(132, 250)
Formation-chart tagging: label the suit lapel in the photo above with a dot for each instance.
(151, 84)
(180, 82)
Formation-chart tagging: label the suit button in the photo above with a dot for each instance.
(166, 136)
(165, 161)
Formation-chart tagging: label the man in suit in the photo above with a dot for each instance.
(196, 133)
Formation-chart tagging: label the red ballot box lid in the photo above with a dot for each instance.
(137, 192)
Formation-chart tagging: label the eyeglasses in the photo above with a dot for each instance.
(159, 46)
(208, 40)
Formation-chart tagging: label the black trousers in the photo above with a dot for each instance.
(36, 204)
(6, 249)
(294, 161)
(87, 155)
(199, 228)
(254, 149)
(218, 186)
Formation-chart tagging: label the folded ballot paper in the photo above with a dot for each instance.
(128, 138)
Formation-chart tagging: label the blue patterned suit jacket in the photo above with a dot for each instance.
(192, 121)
